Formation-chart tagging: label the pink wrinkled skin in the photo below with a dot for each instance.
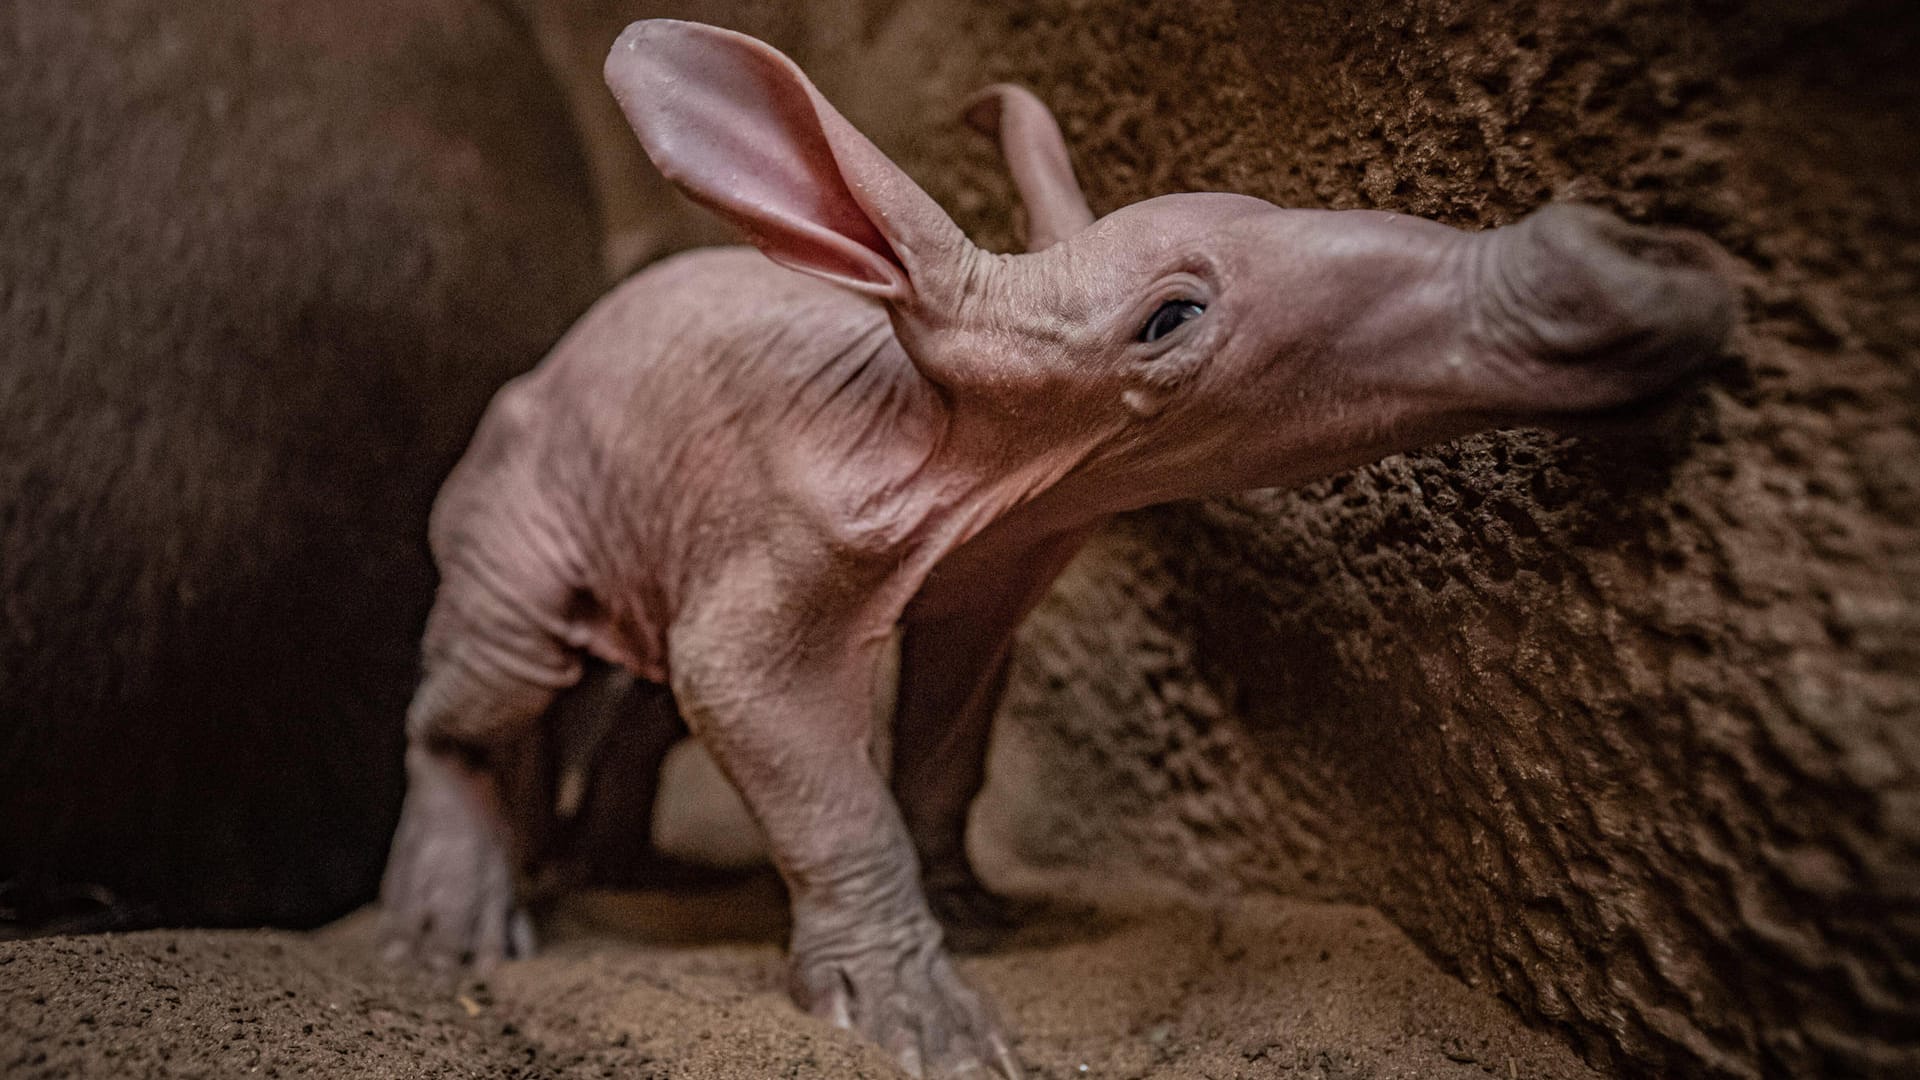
(738, 475)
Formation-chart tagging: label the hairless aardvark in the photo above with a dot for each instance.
(738, 475)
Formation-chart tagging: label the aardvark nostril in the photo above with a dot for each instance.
(1652, 247)
(1575, 285)
(1667, 248)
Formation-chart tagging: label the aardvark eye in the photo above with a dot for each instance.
(1169, 317)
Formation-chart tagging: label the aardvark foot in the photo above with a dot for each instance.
(909, 999)
(448, 897)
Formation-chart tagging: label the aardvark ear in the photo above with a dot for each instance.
(740, 129)
(1036, 154)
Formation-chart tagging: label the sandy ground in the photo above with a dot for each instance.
(688, 985)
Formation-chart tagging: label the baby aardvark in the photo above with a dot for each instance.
(738, 475)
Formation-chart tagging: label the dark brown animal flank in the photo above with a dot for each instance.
(262, 267)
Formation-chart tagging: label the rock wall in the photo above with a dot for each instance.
(1623, 724)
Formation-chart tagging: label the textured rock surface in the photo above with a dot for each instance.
(1625, 727)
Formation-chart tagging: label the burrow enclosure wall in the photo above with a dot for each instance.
(1625, 726)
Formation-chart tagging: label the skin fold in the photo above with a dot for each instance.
(743, 470)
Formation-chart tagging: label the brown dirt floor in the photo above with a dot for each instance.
(645, 986)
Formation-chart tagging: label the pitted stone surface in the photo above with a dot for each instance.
(1623, 724)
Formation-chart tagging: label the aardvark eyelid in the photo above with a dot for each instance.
(1170, 316)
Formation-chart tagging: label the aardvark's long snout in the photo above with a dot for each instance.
(1593, 312)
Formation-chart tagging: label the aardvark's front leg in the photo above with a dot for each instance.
(785, 711)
